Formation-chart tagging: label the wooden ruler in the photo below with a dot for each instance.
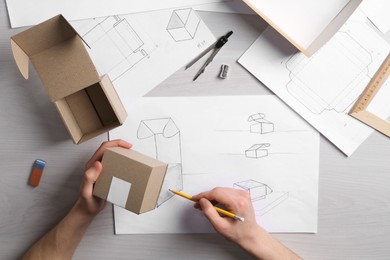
(359, 110)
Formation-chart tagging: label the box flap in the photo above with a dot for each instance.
(113, 98)
(44, 35)
(21, 58)
(59, 56)
(65, 68)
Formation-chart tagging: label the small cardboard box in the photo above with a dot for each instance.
(88, 105)
(130, 179)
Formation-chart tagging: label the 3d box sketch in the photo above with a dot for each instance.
(257, 190)
(164, 138)
(131, 46)
(260, 125)
(257, 150)
(183, 24)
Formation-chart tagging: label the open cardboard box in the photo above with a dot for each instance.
(307, 24)
(130, 179)
(88, 105)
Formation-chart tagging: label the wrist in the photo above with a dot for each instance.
(256, 242)
(264, 246)
(82, 213)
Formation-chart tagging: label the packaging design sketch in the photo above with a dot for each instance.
(162, 137)
(263, 197)
(322, 89)
(127, 41)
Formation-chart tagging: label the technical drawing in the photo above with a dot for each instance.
(257, 190)
(328, 90)
(273, 200)
(128, 45)
(165, 141)
(257, 151)
(262, 196)
(260, 125)
(183, 24)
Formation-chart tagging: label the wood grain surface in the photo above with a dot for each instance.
(354, 193)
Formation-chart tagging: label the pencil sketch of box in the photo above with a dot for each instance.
(257, 150)
(257, 190)
(260, 125)
(183, 24)
(130, 46)
(164, 138)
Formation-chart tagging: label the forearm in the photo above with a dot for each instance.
(264, 246)
(61, 242)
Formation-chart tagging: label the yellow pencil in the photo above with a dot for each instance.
(219, 210)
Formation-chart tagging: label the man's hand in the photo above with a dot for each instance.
(87, 203)
(248, 234)
(236, 201)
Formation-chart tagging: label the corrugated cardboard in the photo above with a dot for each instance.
(88, 105)
(144, 175)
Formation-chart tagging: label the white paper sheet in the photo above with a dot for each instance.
(378, 12)
(139, 51)
(25, 13)
(229, 6)
(322, 88)
(380, 105)
(302, 21)
(217, 148)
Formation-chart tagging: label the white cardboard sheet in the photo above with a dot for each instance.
(380, 104)
(139, 51)
(322, 88)
(228, 6)
(26, 13)
(378, 12)
(255, 142)
(300, 20)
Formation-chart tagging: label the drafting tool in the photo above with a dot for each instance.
(359, 110)
(219, 210)
(36, 172)
(216, 47)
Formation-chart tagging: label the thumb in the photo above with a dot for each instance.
(91, 176)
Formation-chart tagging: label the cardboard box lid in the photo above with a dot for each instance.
(58, 55)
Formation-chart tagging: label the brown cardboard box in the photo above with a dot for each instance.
(130, 179)
(88, 105)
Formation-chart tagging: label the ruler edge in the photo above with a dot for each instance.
(365, 116)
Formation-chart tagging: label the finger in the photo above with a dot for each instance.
(200, 195)
(217, 194)
(211, 214)
(98, 155)
(90, 177)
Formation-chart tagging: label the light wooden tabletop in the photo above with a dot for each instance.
(354, 197)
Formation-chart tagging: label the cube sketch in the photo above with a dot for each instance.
(260, 125)
(183, 24)
(257, 151)
(166, 142)
(257, 190)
